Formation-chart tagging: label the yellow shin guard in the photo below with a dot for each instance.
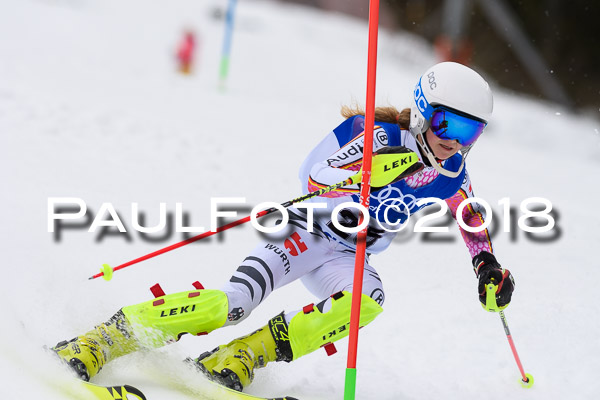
(150, 324)
(165, 319)
(312, 329)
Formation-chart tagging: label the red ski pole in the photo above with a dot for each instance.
(386, 172)
(526, 379)
(106, 271)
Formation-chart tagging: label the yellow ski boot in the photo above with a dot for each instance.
(87, 354)
(233, 364)
(83, 355)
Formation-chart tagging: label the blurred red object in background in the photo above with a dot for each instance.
(186, 51)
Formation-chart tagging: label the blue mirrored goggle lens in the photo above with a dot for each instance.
(448, 125)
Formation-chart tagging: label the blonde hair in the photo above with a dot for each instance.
(388, 114)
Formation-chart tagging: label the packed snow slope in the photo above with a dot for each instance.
(92, 107)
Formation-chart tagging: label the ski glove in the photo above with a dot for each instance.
(488, 271)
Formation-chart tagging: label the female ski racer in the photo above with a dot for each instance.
(449, 111)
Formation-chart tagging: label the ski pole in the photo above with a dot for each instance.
(387, 167)
(491, 305)
(107, 271)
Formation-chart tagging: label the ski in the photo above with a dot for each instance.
(193, 383)
(123, 392)
(127, 392)
(188, 380)
(223, 392)
(206, 389)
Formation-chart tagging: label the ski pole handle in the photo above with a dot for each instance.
(490, 298)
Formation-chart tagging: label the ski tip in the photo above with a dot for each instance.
(284, 398)
(134, 391)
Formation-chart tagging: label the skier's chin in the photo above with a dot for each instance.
(443, 154)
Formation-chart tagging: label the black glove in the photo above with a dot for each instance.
(488, 271)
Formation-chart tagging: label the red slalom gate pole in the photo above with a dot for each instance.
(361, 245)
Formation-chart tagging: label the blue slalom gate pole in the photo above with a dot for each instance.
(229, 19)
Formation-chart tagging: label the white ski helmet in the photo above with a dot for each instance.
(455, 87)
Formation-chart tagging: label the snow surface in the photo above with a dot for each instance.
(91, 107)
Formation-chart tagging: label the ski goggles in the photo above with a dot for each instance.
(450, 125)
